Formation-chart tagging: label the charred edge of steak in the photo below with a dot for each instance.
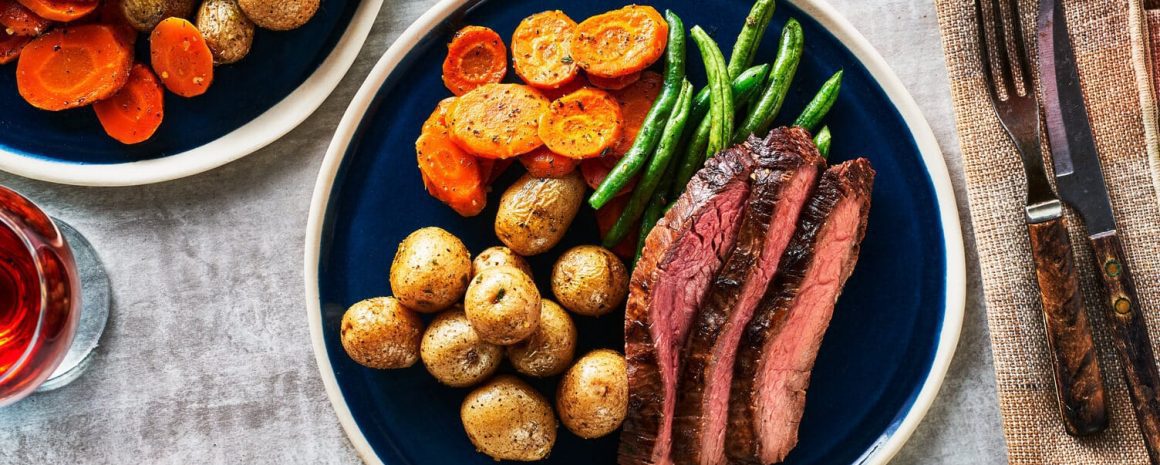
(647, 392)
(851, 179)
(780, 159)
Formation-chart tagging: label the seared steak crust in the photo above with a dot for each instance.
(787, 168)
(693, 237)
(779, 346)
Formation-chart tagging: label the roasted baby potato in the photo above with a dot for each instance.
(593, 395)
(144, 15)
(453, 352)
(550, 349)
(495, 257)
(227, 31)
(589, 280)
(431, 270)
(279, 15)
(381, 333)
(534, 213)
(508, 420)
(503, 305)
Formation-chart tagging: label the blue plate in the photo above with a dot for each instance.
(285, 77)
(893, 332)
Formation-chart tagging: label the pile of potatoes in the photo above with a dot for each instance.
(489, 309)
(226, 25)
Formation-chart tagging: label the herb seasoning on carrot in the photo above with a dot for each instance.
(20, 21)
(181, 57)
(541, 50)
(582, 124)
(620, 42)
(72, 67)
(135, 112)
(475, 56)
(498, 120)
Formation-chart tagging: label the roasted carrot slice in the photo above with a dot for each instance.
(498, 120)
(616, 83)
(181, 57)
(582, 124)
(620, 42)
(72, 66)
(10, 47)
(60, 10)
(541, 51)
(607, 215)
(542, 163)
(134, 113)
(450, 174)
(595, 170)
(18, 20)
(475, 56)
(635, 101)
(438, 118)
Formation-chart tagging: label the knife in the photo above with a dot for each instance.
(1080, 182)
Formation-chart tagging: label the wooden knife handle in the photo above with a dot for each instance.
(1079, 385)
(1130, 335)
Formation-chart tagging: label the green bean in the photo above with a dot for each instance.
(750, 37)
(749, 83)
(822, 140)
(789, 54)
(721, 91)
(746, 86)
(821, 104)
(650, 130)
(657, 166)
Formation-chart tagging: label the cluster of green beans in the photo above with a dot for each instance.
(789, 54)
(650, 130)
(720, 90)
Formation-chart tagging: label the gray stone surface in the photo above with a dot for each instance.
(207, 358)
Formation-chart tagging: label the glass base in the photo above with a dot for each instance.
(96, 297)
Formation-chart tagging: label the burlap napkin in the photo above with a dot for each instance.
(1103, 36)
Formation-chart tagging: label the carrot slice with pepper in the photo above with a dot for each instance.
(542, 163)
(595, 170)
(606, 216)
(475, 56)
(581, 124)
(438, 118)
(61, 10)
(10, 47)
(635, 101)
(498, 120)
(20, 21)
(620, 42)
(134, 113)
(181, 57)
(541, 53)
(72, 66)
(616, 83)
(450, 174)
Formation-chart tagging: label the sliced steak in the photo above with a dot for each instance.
(680, 257)
(780, 344)
(787, 169)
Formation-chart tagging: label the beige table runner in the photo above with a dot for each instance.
(1103, 36)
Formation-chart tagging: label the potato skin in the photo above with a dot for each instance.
(593, 395)
(534, 213)
(453, 352)
(279, 15)
(590, 280)
(431, 270)
(549, 350)
(503, 305)
(227, 31)
(498, 256)
(509, 420)
(144, 15)
(381, 333)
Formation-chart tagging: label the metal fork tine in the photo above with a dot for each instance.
(984, 55)
(1020, 49)
(1001, 44)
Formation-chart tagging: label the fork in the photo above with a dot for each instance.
(1075, 366)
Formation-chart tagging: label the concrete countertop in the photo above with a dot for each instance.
(207, 357)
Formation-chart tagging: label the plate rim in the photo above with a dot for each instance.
(896, 434)
(271, 125)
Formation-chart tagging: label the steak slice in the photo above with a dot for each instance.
(787, 169)
(680, 256)
(780, 344)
